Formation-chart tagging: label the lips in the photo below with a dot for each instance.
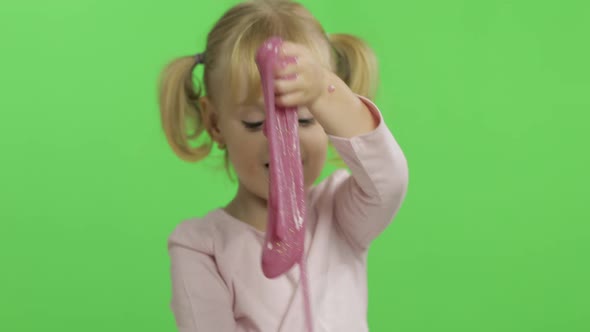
(267, 164)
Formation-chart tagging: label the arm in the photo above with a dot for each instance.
(341, 113)
(366, 202)
(200, 301)
(306, 83)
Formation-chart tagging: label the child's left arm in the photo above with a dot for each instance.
(366, 202)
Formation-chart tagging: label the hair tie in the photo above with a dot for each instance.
(199, 58)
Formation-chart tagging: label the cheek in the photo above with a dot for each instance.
(316, 143)
(316, 147)
(245, 153)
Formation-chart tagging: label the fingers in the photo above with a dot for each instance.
(286, 68)
(289, 71)
(294, 75)
(287, 85)
(291, 49)
(286, 75)
(289, 92)
(291, 56)
(291, 99)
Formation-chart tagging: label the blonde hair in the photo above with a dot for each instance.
(230, 50)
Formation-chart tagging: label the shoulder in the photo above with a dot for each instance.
(213, 234)
(197, 234)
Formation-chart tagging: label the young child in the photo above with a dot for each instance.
(217, 281)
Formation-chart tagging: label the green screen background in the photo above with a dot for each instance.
(489, 100)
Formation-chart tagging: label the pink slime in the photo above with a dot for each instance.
(285, 234)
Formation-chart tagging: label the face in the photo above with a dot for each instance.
(240, 129)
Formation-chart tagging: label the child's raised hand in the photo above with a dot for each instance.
(299, 83)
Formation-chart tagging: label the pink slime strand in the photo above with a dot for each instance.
(286, 225)
(285, 235)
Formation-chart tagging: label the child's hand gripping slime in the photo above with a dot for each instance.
(285, 234)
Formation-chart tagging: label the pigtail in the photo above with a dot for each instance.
(180, 111)
(356, 64)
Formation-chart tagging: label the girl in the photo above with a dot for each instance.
(217, 280)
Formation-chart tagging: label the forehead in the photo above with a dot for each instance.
(256, 106)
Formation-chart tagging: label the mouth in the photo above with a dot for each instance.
(268, 164)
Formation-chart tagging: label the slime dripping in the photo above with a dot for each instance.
(285, 233)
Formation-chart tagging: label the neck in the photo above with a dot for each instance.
(249, 208)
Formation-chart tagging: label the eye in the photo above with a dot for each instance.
(257, 125)
(306, 122)
(253, 125)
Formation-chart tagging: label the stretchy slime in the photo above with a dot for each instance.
(285, 232)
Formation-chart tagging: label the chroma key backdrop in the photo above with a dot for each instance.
(488, 99)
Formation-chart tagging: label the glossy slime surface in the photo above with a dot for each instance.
(285, 234)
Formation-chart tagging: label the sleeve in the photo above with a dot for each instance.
(201, 301)
(366, 202)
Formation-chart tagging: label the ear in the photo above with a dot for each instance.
(209, 116)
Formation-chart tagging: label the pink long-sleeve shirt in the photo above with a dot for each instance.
(217, 279)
